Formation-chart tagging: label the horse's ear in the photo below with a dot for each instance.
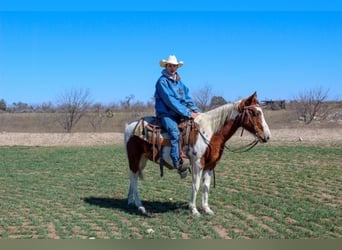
(254, 96)
(251, 100)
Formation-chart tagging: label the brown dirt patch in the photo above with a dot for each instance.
(284, 136)
(60, 139)
(298, 136)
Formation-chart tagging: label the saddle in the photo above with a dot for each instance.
(150, 130)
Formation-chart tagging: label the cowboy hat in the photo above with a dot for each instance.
(172, 59)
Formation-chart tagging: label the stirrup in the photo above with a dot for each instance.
(183, 169)
(182, 173)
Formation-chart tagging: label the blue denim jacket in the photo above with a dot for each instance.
(172, 98)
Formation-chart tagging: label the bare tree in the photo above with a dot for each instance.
(217, 101)
(126, 104)
(73, 105)
(21, 107)
(46, 107)
(97, 116)
(202, 98)
(310, 104)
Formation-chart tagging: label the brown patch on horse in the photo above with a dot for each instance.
(215, 147)
(136, 149)
(212, 154)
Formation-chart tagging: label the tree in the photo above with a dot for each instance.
(202, 98)
(126, 104)
(310, 104)
(21, 107)
(73, 105)
(3, 105)
(217, 101)
(97, 116)
(45, 107)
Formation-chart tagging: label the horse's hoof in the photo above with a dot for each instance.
(208, 211)
(195, 213)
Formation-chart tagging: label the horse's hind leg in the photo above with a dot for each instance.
(133, 192)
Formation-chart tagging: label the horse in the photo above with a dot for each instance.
(213, 129)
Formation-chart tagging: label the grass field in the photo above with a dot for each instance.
(271, 192)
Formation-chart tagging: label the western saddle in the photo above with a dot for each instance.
(149, 129)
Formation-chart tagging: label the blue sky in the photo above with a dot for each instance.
(114, 51)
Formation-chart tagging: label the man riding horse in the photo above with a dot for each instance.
(173, 105)
(203, 135)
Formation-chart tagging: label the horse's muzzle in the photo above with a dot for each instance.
(264, 138)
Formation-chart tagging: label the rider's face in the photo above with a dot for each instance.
(171, 68)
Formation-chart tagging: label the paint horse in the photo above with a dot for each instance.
(214, 128)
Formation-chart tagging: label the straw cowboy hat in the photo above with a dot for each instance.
(172, 59)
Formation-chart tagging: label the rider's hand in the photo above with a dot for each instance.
(194, 115)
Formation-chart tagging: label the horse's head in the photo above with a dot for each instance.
(252, 118)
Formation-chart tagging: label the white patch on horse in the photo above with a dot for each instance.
(214, 119)
(129, 130)
(265, 127)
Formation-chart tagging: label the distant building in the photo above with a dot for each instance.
(274, 104)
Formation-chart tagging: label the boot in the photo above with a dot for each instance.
(182, 168)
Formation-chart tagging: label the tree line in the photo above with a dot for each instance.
(73, 104)
(73, 98)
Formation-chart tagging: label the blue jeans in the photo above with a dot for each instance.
(171, 126)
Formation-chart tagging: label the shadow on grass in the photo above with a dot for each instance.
(152, 207)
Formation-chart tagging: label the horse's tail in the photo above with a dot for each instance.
(127, 133)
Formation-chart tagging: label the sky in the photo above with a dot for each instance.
(113, 50)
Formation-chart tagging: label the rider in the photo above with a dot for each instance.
(173, 105)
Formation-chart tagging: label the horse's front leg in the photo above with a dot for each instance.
(205, 192)
(196, 181)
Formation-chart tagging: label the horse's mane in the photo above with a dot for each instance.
(215, 118)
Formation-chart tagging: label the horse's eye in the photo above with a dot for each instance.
(255, 113)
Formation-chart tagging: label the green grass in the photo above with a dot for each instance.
(270, 192)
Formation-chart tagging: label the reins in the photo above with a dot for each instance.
(251, 144)
(242, 149)
(238, 150)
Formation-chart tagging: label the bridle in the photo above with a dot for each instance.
(245, 148)
(245, 112)
(250, 145)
